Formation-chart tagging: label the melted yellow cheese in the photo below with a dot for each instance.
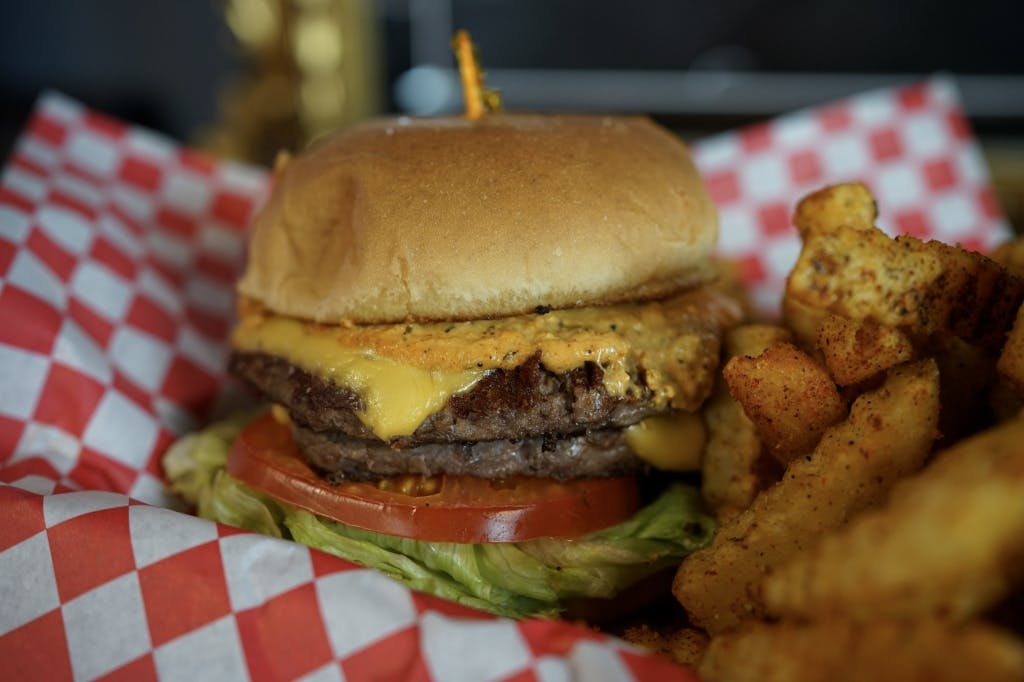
(673, 442)
(395, 397)
(405, 372)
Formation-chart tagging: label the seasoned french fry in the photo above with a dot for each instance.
(735, 467)
(803, 320)
(788, 396)
(887, 436)
(949, 543)
(968, 374)
(1010, 255)
(840, 651)
(849, 204)
(855, 351)
(922, 288)
(1011, 361)
(1004, 402)
(685, 646)
(750, 340)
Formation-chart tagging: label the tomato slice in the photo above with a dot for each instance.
(438, 508)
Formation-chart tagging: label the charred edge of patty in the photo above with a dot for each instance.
(506, 404)
(594, 454)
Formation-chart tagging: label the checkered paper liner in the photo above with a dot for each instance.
(118, 251)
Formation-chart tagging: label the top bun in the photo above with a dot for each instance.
(447, 218)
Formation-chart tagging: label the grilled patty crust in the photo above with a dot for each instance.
(521, 403)
(593, 454)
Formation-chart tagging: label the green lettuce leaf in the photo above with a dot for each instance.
(522, 579)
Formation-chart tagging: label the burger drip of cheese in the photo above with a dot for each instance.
(519, 295)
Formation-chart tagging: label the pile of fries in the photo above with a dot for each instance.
(866, 464)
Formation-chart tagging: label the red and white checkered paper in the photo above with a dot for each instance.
(118, 252)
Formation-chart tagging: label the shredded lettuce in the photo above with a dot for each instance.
(522, 579)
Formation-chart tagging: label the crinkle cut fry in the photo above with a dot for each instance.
(835, 651)
(948, 543)
(887, 436)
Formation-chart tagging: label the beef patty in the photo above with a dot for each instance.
(593, 454)
(526, 402)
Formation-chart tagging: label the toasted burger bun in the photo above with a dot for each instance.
(446, 219)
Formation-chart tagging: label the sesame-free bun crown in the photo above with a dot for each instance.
(447, 218)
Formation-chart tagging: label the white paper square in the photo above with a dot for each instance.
(551, 669)
(971, 167)
(14, 225)
(873, 108)
(361, 607)
(155, 147)
(764, 177)
(40, 485)
(845, 157)
(796, 130)
(38, 152)
(137, 205)
(212, 652)
(594, 661)
(185, 191)
(142, 358)
(155, 287)
(92, 152)
(79, 189)
(472, 650)
(151, 490)
(721, 151)
(35, 277)
(925, 136)
(239, 177)
(60, 107)
(122, 430)
(259, 568)
(172, 250)
(60, 508)
(943, 90)
(22, 375)
(781, 255)
(106, 627)
(114, 230)
(68, 228)
(59, 448)
(899, 185)
(955, 216)
(23, 183)
(29, 588)
(160, 533)
(101, 290)
(738, 231)
(79, 351)
(224, 243)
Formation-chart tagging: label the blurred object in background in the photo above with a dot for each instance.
(159, 64)
(312, 67)
(249, 77)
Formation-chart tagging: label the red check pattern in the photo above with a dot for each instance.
(118, 250)
(913, 147)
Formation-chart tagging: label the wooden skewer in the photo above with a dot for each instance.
(478, 98)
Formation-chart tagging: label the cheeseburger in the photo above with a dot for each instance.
(476, 334)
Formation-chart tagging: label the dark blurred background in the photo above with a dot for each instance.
(245, 77)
